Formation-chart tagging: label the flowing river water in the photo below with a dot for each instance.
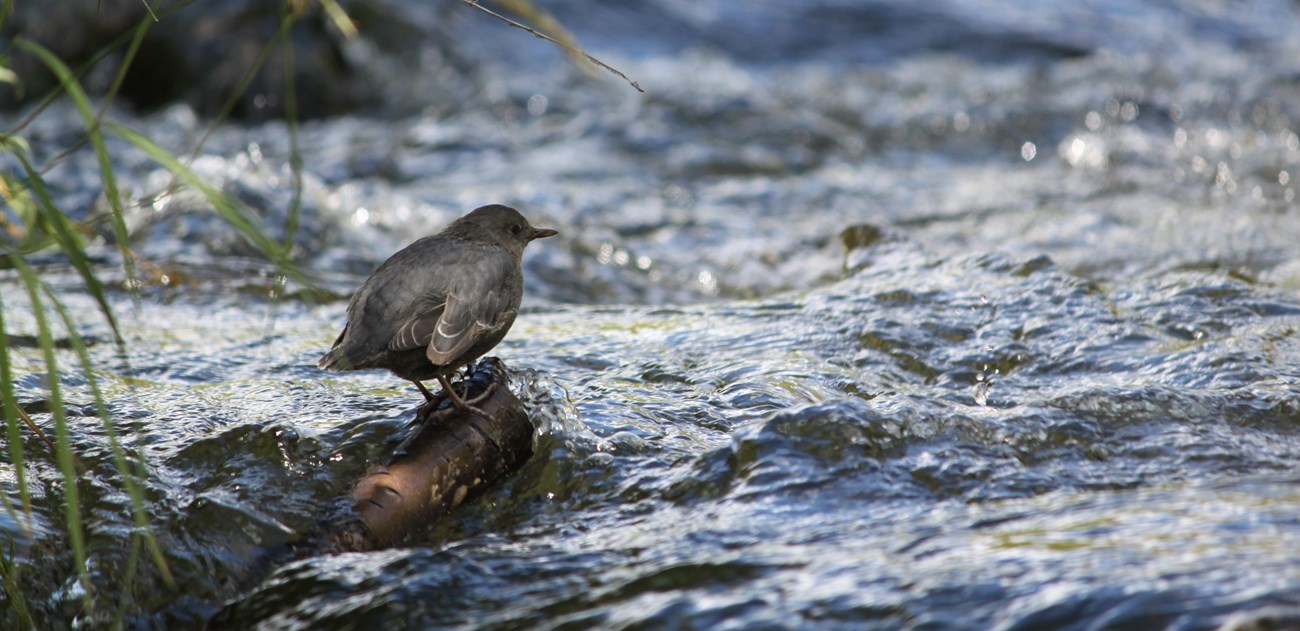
(864, 315)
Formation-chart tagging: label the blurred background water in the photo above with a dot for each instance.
(959, 315)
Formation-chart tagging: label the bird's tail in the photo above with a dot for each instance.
(337, 358)
(333, 360)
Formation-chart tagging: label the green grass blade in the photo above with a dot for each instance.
(119, 456)
(9, 579)
(69, 241)
(340, 18)
(106, 51)
(13, 431)
(96, 135)
(5, 10)
(66, 460)
(235, 212)
(129, 56)
(24, 228)
(291, 119)
(240, 88)
(9, 76)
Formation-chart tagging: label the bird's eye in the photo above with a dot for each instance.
(516, 229)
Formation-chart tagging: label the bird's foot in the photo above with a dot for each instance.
(470, 407)
(486, 393)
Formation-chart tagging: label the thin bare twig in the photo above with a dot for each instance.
(146, 8)
(150, 10)
(35, 428)
(541, 35)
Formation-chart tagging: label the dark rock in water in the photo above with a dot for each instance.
(860, 236)
(1280, 618)
(201, 53)
(73, 31)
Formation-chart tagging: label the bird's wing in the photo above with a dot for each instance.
(451, 326)
(461, 325)
(418, 330)
(447, 329)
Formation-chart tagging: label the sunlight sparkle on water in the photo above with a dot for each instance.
(709, 282)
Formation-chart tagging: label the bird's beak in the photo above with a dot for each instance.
(542, 233)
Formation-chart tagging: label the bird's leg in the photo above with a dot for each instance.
(465, 406)
(428, 396)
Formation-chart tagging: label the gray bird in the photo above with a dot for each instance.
(439, 303)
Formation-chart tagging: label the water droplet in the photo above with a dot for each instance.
(981, 393)
(677, 194)
(537, 104)
(1128, 111)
